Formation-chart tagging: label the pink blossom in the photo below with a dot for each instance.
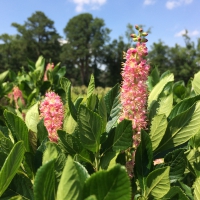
(134, 89)
(52, 110)
(17, 94)
(50, 66)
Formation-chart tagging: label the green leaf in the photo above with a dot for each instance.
(44, 184)
(91, 197)
(113, 184)
(196, 187)
(165, 104)
(106, 158)
(5, 144)
(90, 127)
(71, 144)
(91, 86)
(18, 128)
(3, 76)
(176, 161)
(123, 136)
(157, 183)
(102, 111)
(154, 78)
(183, 106)
(158, 128)
(70, 186)
(153, 96)
(50, 153)
(66, 85)
(143, 158)
(42, 132)
(32, 118)
(196, 83)
(113, 106)
(181, 128)
(175, 193)
(11, 165)
(40, 64)
(91, 101)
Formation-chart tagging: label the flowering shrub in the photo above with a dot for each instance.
(52, 110)
(88, 153)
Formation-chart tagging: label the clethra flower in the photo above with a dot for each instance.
(134, 91)
(52, 110)
(50, 66)
(17, 94)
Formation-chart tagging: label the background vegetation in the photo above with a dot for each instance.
(88, 49)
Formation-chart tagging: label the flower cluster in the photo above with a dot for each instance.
(17, 95)
(134, 88)
(50, 66)
(134, 91)
(52, 110)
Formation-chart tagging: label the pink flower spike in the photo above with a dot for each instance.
(52, 110)
(50, 66)
(17, 94)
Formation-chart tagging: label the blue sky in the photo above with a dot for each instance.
(167, 18)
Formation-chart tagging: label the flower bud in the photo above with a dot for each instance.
(144, 40)
(136, 27)
(133, 35)
(139, 39)
(140, 30)
(144, 34)
(135, 39)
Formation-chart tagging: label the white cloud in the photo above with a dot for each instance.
(149, 2)
(93, 4)
(171, 4)
(190, 33)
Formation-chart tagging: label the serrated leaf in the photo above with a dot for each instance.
(32, 118)
(90, 127)
(196, 83)
(107, 185)
(91, 101)
(71, 144)
(44, 184)
(18, 128)
(66, 85)
(70, 187)
(153, 96)
(5, 144)
(102, 111)
(113, 106)
(183, 105)
(158, 128)
(143, 158)
(181, 128)
(157, 183)
(176, 161)
(175, 193)
(91, 86)
(123, 136)
(196, 187)
(11, 165)
(42, 132)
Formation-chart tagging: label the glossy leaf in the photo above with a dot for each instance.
(32, 118)
(113, 106)
(91, 86)
(196, 83)
(11, 165)
(158, 128)
(44, 184)
(158, 183)
(196, 187)
(18, 128)
(153, 96)
(123, 136)
(90, 127)
(70, 186)
(107, 185)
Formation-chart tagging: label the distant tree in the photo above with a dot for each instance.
(37, 36)
(86, 37)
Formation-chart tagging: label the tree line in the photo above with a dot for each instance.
(88, 49)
